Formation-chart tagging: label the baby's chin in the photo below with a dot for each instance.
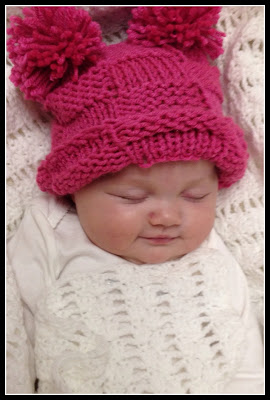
(152, 259)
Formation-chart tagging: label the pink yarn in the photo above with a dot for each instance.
(182, 27)
(48, 44)
(136, 104)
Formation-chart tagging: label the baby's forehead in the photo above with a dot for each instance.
(168, 171)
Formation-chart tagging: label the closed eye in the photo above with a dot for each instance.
(195, 198)
(132, 199)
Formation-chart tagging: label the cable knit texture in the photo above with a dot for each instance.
(137, 104)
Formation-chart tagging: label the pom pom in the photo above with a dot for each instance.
(185, 28)
(48, 44)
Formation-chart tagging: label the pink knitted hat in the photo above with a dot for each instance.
(152, 98)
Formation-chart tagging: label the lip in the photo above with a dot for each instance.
(160, 239)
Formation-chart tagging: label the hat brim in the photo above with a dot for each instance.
(173, 135)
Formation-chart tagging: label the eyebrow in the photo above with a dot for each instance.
(138, 183)
(143, 183)
(201, 179)
(142, 180)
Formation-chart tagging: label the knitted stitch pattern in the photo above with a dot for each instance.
(138, 105)
(168, 328)
(129, 114)
(241, 66)
(28, 141)
(242, 205)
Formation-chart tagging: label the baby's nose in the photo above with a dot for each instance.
(166, 213)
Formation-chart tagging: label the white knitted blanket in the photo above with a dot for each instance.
(240, 210)
(106, 331)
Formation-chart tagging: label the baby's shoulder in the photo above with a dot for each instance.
(214, 241)
(228, 272)
(51, 207)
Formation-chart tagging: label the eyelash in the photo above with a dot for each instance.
(138, 200)
(193, 198)
(132, 198)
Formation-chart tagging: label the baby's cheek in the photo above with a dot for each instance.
(202, 224)
(120, 231)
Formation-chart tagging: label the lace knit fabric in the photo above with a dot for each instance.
(241, 66)
(240, 211)
(91, 309)
(167, 328)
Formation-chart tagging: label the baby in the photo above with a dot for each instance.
(150, 215)
(126, 286)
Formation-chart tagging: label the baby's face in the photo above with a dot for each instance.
(150, 215)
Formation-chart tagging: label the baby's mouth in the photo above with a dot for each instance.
(160, 239)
